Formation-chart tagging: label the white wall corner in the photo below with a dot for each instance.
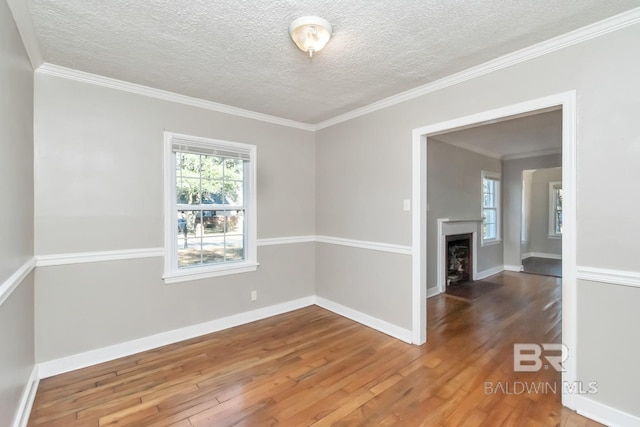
(605, 414)
(489, 272)
(432, 292)
(545, 255)
(365, 319)
(26, 401)
(22, 17)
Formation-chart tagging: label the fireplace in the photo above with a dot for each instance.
(459, 258)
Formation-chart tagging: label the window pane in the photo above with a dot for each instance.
(558, 224)
(490, 216)
(212, 193)
(209, 237)
(234, 250)
(234, 193)
(235, 222)
(188, 191)
(489, 200)
(491, 231)
(557, 209)
(233, 170)
(213, 249)
(188, 165)
(235, 236)
(485, 186)
(188, 238)
(190, 255)
(489, 224)
(211, 167)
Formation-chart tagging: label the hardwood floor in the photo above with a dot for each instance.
(313, 367)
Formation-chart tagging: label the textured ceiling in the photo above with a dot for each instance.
(239, 53)
(518, 137)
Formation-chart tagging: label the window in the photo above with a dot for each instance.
(555, 209)
(490, 207)
(210, 224)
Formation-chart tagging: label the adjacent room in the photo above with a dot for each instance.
(312, 213)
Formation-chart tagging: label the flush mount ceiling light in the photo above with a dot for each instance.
(310, 33)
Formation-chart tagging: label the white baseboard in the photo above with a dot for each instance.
(432, 292)
(526, 255)
(93, 357)
(26, 401)
(605, 414)
(489, 272)
(516, 268)
(105, 354)
(365, 319)
(542, 255)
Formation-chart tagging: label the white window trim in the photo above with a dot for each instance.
(552, 217)
(171, 272)
(498, 177)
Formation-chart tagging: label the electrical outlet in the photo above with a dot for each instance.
(407, 205)
(254, 295)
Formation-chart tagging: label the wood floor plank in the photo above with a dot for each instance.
(313, 367)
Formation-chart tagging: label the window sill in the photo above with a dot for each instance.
(490, 242)
(187, 275)
(555, 236)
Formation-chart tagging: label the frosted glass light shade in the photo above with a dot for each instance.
(310, 33)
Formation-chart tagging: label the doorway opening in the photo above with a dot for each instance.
(542, 221)
(566, 102)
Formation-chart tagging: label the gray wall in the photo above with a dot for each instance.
(608, 342)
(364, 172)
(454, 190)
(512, 200)
(16, 215)
(527, 181)
(99, 187)
(539, 229)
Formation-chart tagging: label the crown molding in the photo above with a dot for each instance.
(571, 38)
(498, 156)
(475, 149)
(95, 79)
(22, 17)
(606, 26)
(532, 154)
